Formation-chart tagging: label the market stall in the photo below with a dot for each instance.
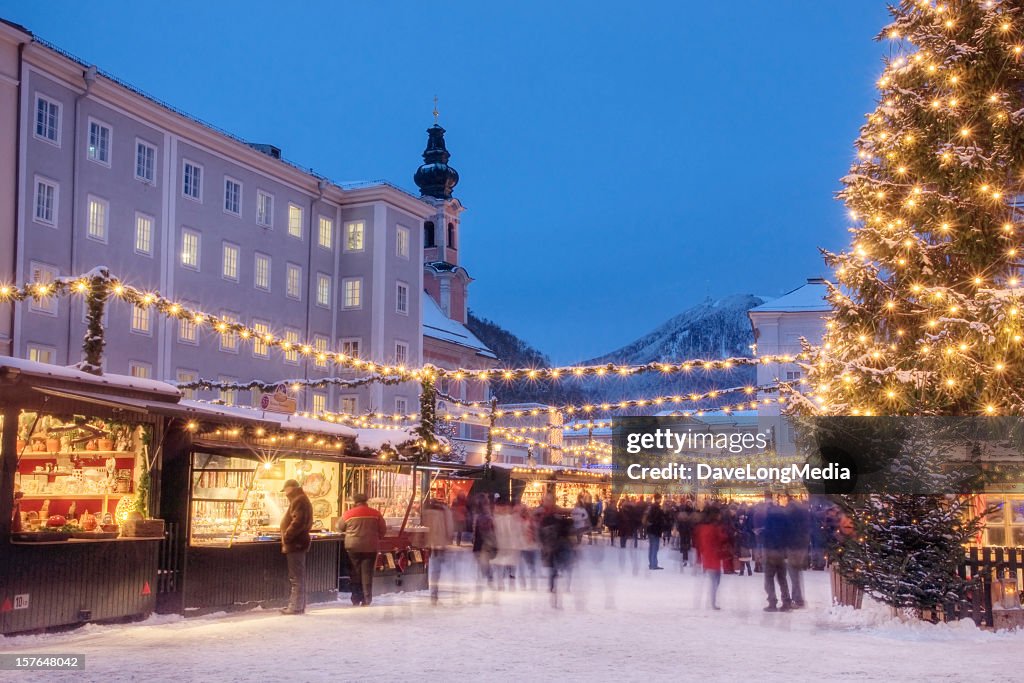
(529, 485)
(79, 454)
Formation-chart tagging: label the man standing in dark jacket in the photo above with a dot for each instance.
(295, 542)
(654, 523)
(776, 540)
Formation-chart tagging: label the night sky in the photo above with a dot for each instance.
(619, 161)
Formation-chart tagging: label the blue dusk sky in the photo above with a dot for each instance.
(619, 161)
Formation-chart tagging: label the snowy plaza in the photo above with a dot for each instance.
(614, 623)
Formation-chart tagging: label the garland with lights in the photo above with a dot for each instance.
(295, 384)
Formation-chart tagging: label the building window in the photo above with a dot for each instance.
(402, 298)
(232, 196)
(350, 347)
(188, 331)
(293, 281)
(192, 181)
(401, 405)
(227, 396)
(323, 290)
(264, 209)
(1004, 526)
(349, 404)
(139, 369)
(319, 402)
(190, 249)
(141, 320)
(143, 234)
(186, 377)
(145, 162)
(261, 276)
(47, 119)
(295, 221)
(98, 210)
(401, 353)
(228, 337)
(451, 236)
(41, 354)
(428, 235)
(355, 236)
(792, 375)
(229, 262)
(259, 343)
(99, 143)
(43, 274)
(291, 355)
(401, 242)
(353, 292)
(45, 202)
(326, 235)
(320, 349)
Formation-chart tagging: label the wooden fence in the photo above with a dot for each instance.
(982, 565)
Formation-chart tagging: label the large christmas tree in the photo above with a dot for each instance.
(928, 302)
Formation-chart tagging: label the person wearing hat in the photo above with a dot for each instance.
(295, 542)
(363, 528)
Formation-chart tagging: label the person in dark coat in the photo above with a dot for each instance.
(776, 540)
(611, 518)
(654, 523)
(797, 548)
(554, 532)
(684, 525)
(295, 542)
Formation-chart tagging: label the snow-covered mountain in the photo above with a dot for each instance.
(714, 328)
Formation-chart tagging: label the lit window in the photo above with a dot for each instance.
(140, 369)
(350, 347)
(319, 402)
(323, 290)
(259, 345)
(190, 249)
(292, 354)
(349, 404)
(264, 209)
(141, 320)
(402, 242)
(295, 221)
(192, 181)
(261, 278)
(47, 119)
(188, 331)
(99, 142)
(229, 262)
(320, 348)
(186, 377)
(143, 234)
(402, 298)
(353, 293)
(227, 396)
(145, 161)
(41, 354)
(232, 196)
(326, 238)
(98, 210)
(293, 281)
(401, 353)
(43, 274)
(354, 236)
(228, 338)
(46, 202)
(401, 405)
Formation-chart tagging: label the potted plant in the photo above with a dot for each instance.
(104, 442)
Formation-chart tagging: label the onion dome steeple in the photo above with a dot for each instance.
(435, 177)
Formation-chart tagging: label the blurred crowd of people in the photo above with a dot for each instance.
(515, 543)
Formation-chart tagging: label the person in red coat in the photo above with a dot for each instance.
(363, 527)
(711, 539)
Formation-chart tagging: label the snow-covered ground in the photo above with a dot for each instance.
(616, 624)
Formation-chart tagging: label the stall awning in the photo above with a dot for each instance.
(135, 405)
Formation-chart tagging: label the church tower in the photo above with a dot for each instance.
(444, 279)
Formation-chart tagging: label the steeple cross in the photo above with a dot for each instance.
(436, 113)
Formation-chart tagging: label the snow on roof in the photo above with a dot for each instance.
(296, 422)
(376, 439)
(809, 297)
(111, 381)
(437, 325)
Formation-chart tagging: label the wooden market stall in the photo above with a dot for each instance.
(80, 454)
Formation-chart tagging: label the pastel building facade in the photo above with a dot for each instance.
(94, 172)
